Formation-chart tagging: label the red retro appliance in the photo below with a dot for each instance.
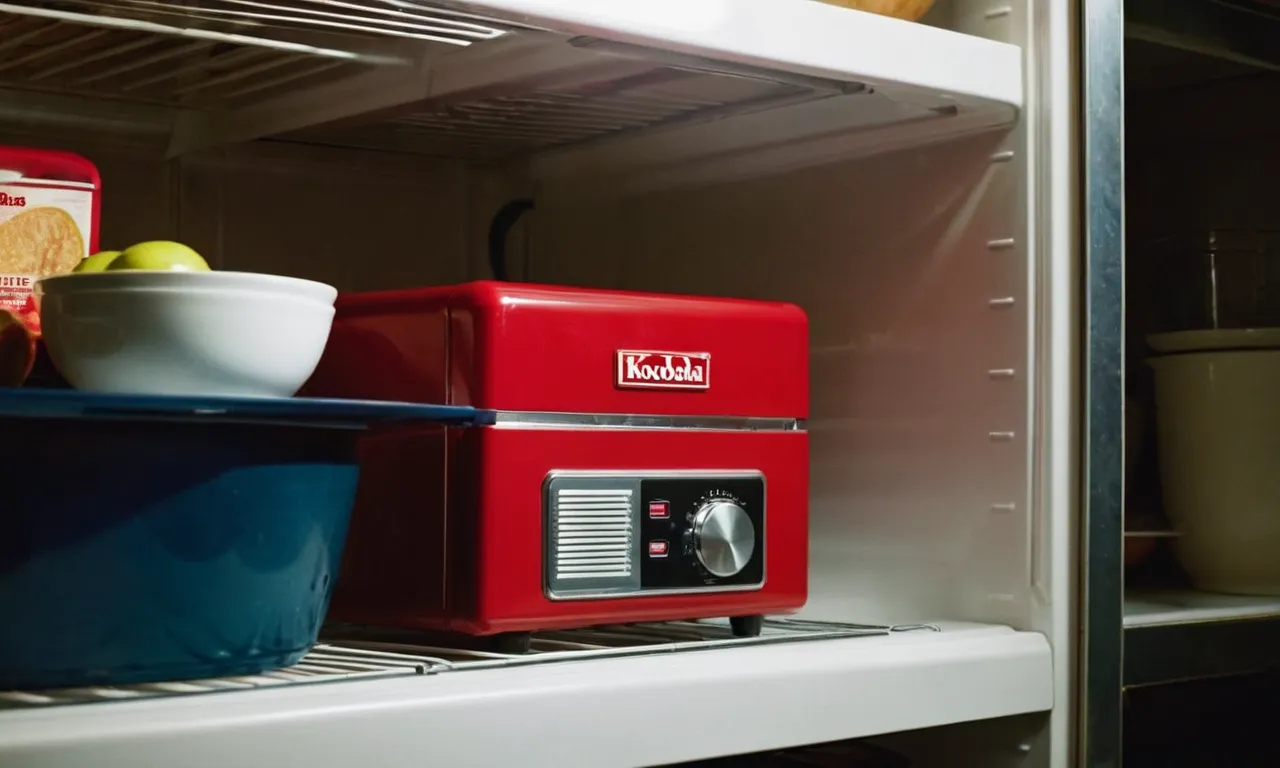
(644, 458)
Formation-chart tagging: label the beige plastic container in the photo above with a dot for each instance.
(1218, 431)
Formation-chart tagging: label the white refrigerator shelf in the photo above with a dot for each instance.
(653, 94)
(1178, 635)
(581, 699)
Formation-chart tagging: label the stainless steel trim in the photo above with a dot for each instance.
(710, 474)
(551, 420)
(1102, 522)
(560, 598)
(621, 495)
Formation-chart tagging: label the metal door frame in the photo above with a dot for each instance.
(1101, 614)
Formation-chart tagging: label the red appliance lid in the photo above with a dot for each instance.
(540, 348)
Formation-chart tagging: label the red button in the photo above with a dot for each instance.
(659, 509)
(657, 549)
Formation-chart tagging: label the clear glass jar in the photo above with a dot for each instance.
(1222, 279)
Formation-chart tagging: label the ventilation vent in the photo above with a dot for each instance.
(593, 534)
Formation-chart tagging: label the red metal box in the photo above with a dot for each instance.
(646, 459)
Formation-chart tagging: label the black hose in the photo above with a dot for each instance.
(499, 228)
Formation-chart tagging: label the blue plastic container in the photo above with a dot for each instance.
(179, 541)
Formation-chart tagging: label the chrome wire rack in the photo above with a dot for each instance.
(268, 22)
(389, 75)
(205, 54)
(355, 653)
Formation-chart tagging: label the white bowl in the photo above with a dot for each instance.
(185, 333)
(1218, 429)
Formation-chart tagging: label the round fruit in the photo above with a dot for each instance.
(17, 350)
(159, 255)
(30, 315)
(98, 262)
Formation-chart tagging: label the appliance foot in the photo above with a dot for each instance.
(515, 643)
(746, 626)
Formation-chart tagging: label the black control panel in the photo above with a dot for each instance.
(675, 510)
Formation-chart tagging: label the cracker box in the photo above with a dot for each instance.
(49, 216)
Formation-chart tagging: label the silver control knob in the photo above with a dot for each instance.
(723, 537)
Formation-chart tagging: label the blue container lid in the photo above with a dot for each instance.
(33, 403)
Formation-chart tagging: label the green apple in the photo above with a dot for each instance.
(97, 262)
(160, 255)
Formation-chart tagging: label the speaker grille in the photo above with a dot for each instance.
(594, 533)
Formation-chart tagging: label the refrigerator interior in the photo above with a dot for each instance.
(914, 258)
(1201, 156)
(908, 264)
(918, 326)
